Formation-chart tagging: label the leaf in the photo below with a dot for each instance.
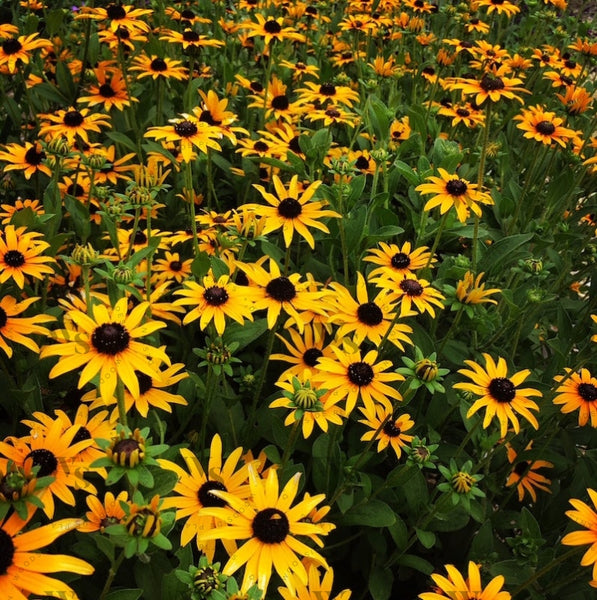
(427, 538)
(416, 562)
(373, 513)
(482, 544)
(399, 533)
(529, 524)
(243, 335)
(514, 572)
(80, 215)
(218, 267)
(500, 254)
(121, 138)
(380, 583)
(200, 265)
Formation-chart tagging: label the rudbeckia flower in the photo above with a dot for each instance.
(28, 158)
(500, 394)
(543, 126)
(578, 392)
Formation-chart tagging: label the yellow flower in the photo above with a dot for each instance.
(471, 291)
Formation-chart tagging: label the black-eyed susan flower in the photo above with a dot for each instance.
(461, 484)
(194, 493)
(110, 91)
(157, 67)
(586, 517)
(305, 350)
(72, 124)
(398, 261)
(455, 586)
(524, 474)
(28, 157)
(323, 93)
(450, 190)
(317, 588)
(24, 569)
(271, 29)
(190, 40)
(188, 132)
(272, 527)
(470, 290)
(275, 292)
(276, 102)
(20, 49)
(332, 115)
(308, 403)
(500, 394)
(152, 393)
(117, 16)
(54, 453)
(364, 318)
(21, 255)
(465, 114)
(104, 514)
(8, 211)
(292, 209)
(393, 427)
(543, 126)
(411, 292)
(576, 99)
(502, 7)
(171, 267)
(107, 345)
(213, 300)
(490, 86)
(352, 376)
(17, 329)
(578, 392)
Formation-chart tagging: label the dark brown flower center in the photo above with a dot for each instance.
(11, 46)
(7, 552)
(73, 118)
(570, 64)
(281, 289)
(311, 356)
(333, 113)
(81, 435)
(256, 86)
(175, 265)
(125, 447)
(428, 71)
(588, 392)
(491, 84)
(362, 162)
(360, 373)
(3, 317)
(140, 238)
(400, 260)
(327, 89)
(185, 128)
(456, 187)
(45, 460)
(462, 112)
(294, 145)
(106, 91)
(110, 338)
(158, 64)
(76, 190)
(411, 287)
(190, 36)
(145, 382)
(187, 14)
(391, 430)
(208, 118)
(14, 258)
(272, 27)
(280, 102)
(116, 12)
(260, 146)
(207, 498)
(370, 314)
(502, 390)
(545, 128)
(290, 208)
(215, 295)
(33, 157)
(270, 526)
(522, 467)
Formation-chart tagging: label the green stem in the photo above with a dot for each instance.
(481, 179)
(467, 439)
(453, 325)
(290, 443)
(120, 400)
(548, 567)
(438, 236)
(210, 387)
(111, 574)
(190, 194)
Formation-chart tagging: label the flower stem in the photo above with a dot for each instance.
(290, 443)
(120, 401)
(111, 574)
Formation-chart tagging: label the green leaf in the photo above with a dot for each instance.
(122, 139)
(399, 533)
(427, 538)
(80, 215)
(243, 335)
(145, 477)
(218, 267)
(482, 544)
(373, 513)
(514, 572)
(501, 253)
(380, 583)
(200, 265)
(129, 594)
(529, 524)
(416, 562)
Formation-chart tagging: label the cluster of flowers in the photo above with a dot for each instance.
(93, 156)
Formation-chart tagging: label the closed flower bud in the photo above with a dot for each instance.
(84, 255)
(426, 369)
